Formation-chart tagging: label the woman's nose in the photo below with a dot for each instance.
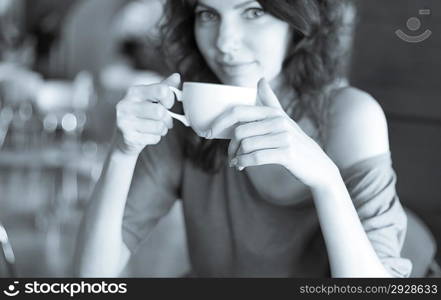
(229, 38)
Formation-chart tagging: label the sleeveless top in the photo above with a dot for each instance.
(232, 231)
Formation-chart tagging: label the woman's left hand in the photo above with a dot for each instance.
(267, 135)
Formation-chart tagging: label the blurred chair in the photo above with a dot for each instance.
(420, 247)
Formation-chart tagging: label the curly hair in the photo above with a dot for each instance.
(319, 55)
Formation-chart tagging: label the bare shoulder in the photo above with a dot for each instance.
(357, 127)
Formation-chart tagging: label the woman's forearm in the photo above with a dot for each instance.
(349, 249)
(100, 249)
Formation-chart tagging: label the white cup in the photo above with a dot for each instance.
(204, 102)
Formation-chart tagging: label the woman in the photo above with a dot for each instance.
(304, 188)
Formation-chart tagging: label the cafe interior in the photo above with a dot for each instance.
(65, 64)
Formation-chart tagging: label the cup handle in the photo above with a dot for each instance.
(182, 118)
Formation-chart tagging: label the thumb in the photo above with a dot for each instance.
(266, 95)
(173, 80)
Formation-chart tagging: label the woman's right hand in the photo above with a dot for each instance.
(142, 118)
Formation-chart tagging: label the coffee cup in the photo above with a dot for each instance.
(204, 102)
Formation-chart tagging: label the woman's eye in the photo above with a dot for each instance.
(206, 16)
(254, 13)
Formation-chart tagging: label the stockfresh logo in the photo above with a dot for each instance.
(12, 290)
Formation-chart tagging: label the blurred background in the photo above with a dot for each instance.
(64, 64)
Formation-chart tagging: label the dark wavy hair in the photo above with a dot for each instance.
(318, 56)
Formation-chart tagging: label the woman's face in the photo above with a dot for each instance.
(239, 41)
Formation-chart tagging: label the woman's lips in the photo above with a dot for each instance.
(237, 69)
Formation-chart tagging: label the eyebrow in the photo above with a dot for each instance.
(235, 7)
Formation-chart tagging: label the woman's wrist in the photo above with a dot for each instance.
(119, 150)
(117, 155)
(330, 182)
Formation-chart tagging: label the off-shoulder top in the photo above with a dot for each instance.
(232, 231)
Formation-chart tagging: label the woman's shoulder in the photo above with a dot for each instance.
(350, 97)
(357, 127)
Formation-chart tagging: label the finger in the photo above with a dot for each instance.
(144, 110)
(258, 158)
(145, 126)
(266, 96)
(232, 148)
(238, 114)
(173, 80)
(157, 93)
(260, 142)
(267, 126)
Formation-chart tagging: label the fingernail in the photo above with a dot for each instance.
(233, 162)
